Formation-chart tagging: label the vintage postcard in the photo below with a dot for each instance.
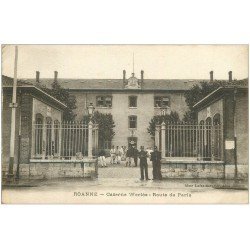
(124, 124)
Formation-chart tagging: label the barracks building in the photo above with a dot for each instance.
(132, 101)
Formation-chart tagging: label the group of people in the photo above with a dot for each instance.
(117, 154)
(132, 154)
(155, 157)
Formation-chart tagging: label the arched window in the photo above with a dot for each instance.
(38, 135)
(201, 139)
(216, 119)
(56, 133)
(208, 140)
(48, 127)
(217, 136)
(209, 121)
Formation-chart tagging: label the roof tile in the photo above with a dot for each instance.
(117, 84)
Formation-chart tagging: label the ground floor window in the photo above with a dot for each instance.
(56, 132)
(38, 135)
(48, 127)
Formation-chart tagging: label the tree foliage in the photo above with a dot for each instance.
(65, 97)
(106, 125)
(199, 91)
(158, 119)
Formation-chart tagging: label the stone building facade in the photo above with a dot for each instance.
(33, 103)
(229, 107)
(132, 102)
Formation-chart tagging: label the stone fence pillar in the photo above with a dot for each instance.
(44, 141)
(97, 139)
(157, 135)
(90, 139)
(163, 139)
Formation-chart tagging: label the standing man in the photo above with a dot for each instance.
(149, 150)
(124, 153)
(102, 158)
(129, 154)
(135, 155)
(156, 160)
(143, 163)
(117, 155)
(112, 155)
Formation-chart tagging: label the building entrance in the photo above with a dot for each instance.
(132, 141)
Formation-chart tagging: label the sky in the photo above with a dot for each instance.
(108, 61)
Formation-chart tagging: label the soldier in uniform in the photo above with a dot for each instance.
(156, 160)
(112, 155)
(143, 163)
(135, 155)
(129, 155)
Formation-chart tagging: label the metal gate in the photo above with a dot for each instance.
(190, 140)
(64, 140)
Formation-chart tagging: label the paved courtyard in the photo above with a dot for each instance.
(120, 171)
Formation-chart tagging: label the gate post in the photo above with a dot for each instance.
(90, 138)
(157, 135)
(97, 139)
(60, 138)
(163, 139)
(212, 142)
(52, 139)
(44, 139)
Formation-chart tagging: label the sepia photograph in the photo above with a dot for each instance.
(124, 124)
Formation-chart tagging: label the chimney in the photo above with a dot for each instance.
(230, 76)
(142, 76)
(55, 76)
(211, 76)
(37, 76)
(124, 76)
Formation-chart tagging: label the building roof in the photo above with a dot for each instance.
(117, 84)
(7, 82)
(218, 93)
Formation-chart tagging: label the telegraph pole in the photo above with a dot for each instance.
(235, 137)
(13, 107)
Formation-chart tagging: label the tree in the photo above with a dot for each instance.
(199, 91)
(65, 97)
(158, 119)
(106, 126)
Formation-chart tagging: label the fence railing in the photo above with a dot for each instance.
(66, 140)
(200, 141)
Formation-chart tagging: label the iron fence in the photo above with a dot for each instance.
(200, 141)
(64, 140)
